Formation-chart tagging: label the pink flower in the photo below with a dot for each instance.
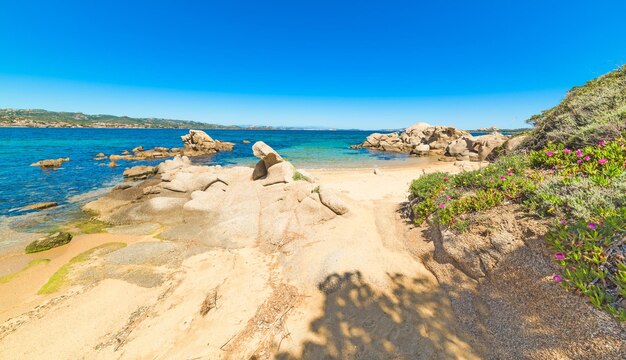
(549, 153)
(563, 222)
(448, 198)
(579, 161)
(567, 151)
(601, 143)
(587, 158)
(579, 153)
(602, 161)
(502, 178)
(557, 278)
(510, 172)
(445, 179)
(559, 256)
(592, 226)
(442, 205)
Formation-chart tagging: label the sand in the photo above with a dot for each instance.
(355, 288)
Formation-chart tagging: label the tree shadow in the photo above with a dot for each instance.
(411, 321)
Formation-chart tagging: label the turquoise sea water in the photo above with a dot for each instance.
(77, 179)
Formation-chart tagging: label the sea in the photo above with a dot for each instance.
(83, 178)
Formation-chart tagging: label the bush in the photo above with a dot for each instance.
(448, 196)
(592, 257)
(600, 163)
(577, 198)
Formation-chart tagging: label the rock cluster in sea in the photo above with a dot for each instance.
(424, 139)
(196, 143)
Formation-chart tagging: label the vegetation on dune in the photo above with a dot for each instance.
(60, 277)
(582, 190)
(588, 114)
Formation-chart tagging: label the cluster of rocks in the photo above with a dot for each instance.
(417, 139)
(234, 206)
(50, 163)
(196, 143)
(424, 139)
(475, 148)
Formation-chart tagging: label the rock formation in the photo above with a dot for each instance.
(423, 139)
(475, 148)
(237, 206)
(51, 163)
(197, 142)
(416, 139)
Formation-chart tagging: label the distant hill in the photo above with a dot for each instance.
(589, 113)
(43, 118)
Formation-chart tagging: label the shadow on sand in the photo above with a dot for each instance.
(409, 322)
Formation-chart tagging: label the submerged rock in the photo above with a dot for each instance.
(40, 206)
(48, 242)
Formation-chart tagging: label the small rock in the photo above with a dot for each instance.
(51, 163)
(112, 163)
(48, 242)
(139, 172)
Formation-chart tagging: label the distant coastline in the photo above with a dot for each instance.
(38, 118)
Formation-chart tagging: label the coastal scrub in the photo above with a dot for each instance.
(582, 189)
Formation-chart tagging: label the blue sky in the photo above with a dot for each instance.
(310, 63)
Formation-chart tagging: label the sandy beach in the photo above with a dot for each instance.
(365, 284)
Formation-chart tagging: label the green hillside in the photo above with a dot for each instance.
(590, 113)
(43, 118)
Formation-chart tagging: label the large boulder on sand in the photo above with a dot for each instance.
(266, 153)
(485, 144)
(272, 168)
(460, 146)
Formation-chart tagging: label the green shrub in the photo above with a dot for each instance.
(592, 257)
(601, 163)
(577, 198)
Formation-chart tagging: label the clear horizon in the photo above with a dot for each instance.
(360, 65)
